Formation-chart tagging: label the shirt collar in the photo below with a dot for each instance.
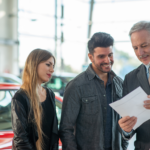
(91, 74)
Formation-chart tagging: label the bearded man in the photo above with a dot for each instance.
(87, 121)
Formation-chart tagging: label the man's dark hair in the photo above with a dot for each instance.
(100, 39)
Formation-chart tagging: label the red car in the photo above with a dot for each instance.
(6, 133)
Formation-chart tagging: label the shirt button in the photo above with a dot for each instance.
(104, 107)
(104, 95)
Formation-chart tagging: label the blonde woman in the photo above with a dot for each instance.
(34, 120)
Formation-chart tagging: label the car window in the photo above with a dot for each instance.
(5, 110)
(8, 80)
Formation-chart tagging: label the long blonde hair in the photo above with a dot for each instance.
(30, 82)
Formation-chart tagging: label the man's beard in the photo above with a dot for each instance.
(99, 67)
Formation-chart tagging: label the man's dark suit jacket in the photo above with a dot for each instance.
(133, 80)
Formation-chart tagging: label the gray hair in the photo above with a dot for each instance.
(141, 25)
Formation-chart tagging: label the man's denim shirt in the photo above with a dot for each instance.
(84, 113)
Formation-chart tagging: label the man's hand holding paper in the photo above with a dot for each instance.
(131, 109)
(127, 123)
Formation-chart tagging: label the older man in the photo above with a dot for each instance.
(88, 122)
(140, 39)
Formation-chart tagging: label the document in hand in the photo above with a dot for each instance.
(132, 105)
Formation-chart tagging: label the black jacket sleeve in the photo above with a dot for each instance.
(20, 124)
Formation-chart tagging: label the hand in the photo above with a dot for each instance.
(147, 103)
(127, 123)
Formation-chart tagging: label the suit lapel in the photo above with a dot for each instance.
(142, 77)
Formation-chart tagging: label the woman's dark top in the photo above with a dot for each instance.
(47, 121)
(25, 131)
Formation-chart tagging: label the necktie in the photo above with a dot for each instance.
(149, 75)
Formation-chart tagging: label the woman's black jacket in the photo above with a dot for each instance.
(25, 133)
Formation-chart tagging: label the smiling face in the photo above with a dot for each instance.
(102, 59)
(141, 45)
(45, 70)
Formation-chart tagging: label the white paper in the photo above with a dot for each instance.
(132, 105)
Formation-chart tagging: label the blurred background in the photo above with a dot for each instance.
(64, 28)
